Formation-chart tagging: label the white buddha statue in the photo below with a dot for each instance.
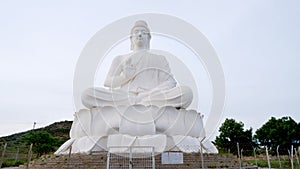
(139, 77)
(142, 105)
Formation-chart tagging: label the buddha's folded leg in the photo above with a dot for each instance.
(100, 97)
(180, 96)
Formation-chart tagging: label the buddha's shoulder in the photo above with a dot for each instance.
(153, 56)
(121, 58)
(161, 59)
(157, 56)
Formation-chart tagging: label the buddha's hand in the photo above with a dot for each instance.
(139, 98)
(129, 69)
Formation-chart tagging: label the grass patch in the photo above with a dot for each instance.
(285, 163)
(13, 163)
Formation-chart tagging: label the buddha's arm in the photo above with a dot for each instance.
(163, 86)
(166, 77)
(119, 73)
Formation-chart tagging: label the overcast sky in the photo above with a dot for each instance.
(256, 41)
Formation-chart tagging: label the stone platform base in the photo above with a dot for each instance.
(98, 160)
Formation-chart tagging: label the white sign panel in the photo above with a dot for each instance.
(172, 158)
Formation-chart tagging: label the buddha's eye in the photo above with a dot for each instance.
(136, 32)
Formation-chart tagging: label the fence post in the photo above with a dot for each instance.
(3, 153)
(108, 158)
(277, 151)
(299, 150)
(254, 152)
(299, 153)
(239, 156)
(17, 154)
(153, 158)
(70, 151)
(29, 156)
(297, 158)
(291, 158)
(130, 158)
(268, 158)
(201, 153)
(242, 157)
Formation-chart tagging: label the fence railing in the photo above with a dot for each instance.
(130, 156)
(264, 156)
(13, 155)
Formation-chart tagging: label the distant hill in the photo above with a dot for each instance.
(59, 130)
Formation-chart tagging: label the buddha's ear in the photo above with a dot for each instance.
(131, 46)
(149, 34)
(148, 45)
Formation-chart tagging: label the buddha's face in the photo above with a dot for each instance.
(140, 38)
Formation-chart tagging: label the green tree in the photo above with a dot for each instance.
(283, 132)
(231, 133)
(43, 142)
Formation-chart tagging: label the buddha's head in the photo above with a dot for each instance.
(140, 36)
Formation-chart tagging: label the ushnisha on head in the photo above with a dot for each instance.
(140, 36)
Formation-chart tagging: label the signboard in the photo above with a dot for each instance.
(172, 158)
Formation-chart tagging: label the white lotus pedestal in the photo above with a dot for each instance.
(165, 129)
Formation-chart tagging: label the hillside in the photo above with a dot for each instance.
(59, 130)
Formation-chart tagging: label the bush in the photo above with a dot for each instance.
(43, 142)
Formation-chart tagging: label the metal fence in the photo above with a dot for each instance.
(265, 157)
(14, 155)
(122, 157)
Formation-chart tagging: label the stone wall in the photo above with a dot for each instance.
(98, 160)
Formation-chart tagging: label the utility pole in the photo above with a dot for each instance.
(34, 123)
